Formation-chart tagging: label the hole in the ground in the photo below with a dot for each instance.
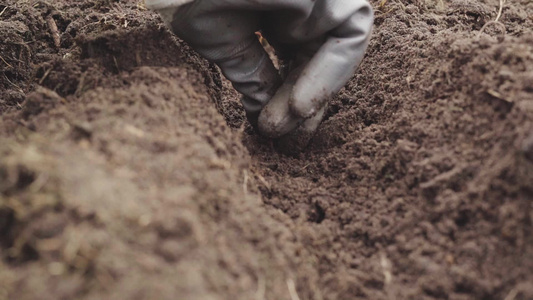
(7, 219)
(462, 218)
(28, 253)
(25, 178)
(317, 214)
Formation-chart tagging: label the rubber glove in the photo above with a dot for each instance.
(320, 42)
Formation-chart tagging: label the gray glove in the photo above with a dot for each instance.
(321, 43)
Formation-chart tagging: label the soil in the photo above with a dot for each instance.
(127, 170)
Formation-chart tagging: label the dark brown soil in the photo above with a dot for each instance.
(127, 170)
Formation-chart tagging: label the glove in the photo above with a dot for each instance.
(320, 44)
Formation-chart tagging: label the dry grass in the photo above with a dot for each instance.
(3, 11)
(1, 58)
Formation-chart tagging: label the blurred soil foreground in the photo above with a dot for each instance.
(127, 170)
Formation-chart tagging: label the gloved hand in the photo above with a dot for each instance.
(320, 42)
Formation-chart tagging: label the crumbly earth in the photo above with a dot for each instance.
(127, 170)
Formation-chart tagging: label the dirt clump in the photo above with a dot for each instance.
(127, 170)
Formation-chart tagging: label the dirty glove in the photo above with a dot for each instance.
(320, 42)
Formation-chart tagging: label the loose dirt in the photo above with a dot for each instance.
(127, 170)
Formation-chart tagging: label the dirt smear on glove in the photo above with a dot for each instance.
(127, 170)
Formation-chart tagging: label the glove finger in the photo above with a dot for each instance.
(333, 64)
(253, 74)
(276, 118)
(227, 38)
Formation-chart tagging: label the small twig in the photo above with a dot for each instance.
(261, 288)
(6, 62)
(512, 294)
(491, 22)
(305, 167)
(92, 23)
(81, 85)
(28, 49)
(387, 268)
(54, 30)
(441, 4)
(264, 182)
(3, 11)
(138, 58)
(44, 76)
(385, 13)
(496, 21)
(502, 2)
(20, 56)
(292, 290)
(14, 85)
(245, 182)
(116, 64)
(39, 183)
(141, 6)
